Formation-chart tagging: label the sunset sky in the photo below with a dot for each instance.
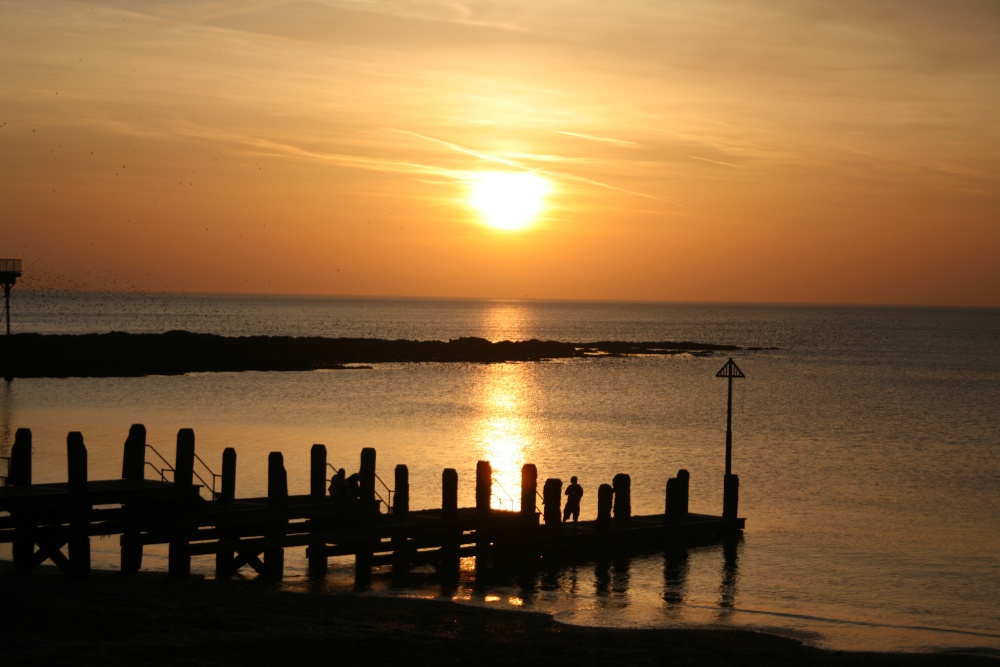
(819, 151)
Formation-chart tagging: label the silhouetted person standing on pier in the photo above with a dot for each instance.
(338, 486)
(574, 492)
(354, 487)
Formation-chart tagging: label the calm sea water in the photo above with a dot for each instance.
(866, 446)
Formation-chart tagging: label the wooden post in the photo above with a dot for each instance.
(277, 500)
(79, 526)
(133, 468)
(228, 492)
(367, 474)
(552, 502)
(184, 458)
(731, 497)
(225, 556)
(134, 458)
(677, 497)
(605, 498)
(622, 484)
(365, 556)
(529, 488)
(19, 472)
(317, 472)
(25, 526)
(401, 503)
(449, 494)
(449, 512)
(484, 487)
(400, 508)
(684, 481)
(318, 483)
(179, 549)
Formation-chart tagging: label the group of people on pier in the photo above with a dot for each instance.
(345, 488)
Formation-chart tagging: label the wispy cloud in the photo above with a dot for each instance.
(606, 140)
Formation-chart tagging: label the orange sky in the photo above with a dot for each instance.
(709, 150)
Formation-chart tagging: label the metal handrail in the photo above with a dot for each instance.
(389, 492)
(503, 505)
(163, 472)
(167, 466)
(210, 472)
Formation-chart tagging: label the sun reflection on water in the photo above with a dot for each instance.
(503, 430)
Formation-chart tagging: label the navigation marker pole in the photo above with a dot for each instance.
(731, 482)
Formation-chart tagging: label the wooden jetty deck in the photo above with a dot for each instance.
(56, 521)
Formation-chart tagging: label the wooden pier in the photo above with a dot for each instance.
(56, 521)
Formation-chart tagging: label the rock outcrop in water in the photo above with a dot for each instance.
(120, 354)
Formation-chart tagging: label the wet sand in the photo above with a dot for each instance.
(109, 619)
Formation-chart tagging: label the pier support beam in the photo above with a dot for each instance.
(552, 502)
(134, 456)
(133, 468)
(316, 551)
(400, 508)
(529, 488)
(484, 487)
(277, 497)
(79, 524)
(678, 489)
(367, 474)
(179, 550)
(622, 484)
(605, 500)
(364, 559)
(449, 513)
(401, 503)
(225, 557)
(19, 475)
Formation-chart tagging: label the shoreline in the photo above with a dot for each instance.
(147, 619)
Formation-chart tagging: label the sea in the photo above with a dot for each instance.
(866, 440)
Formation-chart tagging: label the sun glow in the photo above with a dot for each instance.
(508, 200)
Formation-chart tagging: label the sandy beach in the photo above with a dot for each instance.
(108, 619)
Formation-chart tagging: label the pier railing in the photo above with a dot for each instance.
(387, 501)
(162, 472)
(506, 501)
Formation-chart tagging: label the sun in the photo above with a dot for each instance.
(508, 200)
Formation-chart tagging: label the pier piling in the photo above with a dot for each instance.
(622, 485)
(552, 502)
(134, 469)
(605, 500)
(529, 488)
(78, 542)
(277, 497)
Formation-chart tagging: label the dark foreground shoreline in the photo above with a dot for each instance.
(110, 619)
(120, 354)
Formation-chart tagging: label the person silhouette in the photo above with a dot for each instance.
(574, 492)
(338, 486)
(354, 487)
